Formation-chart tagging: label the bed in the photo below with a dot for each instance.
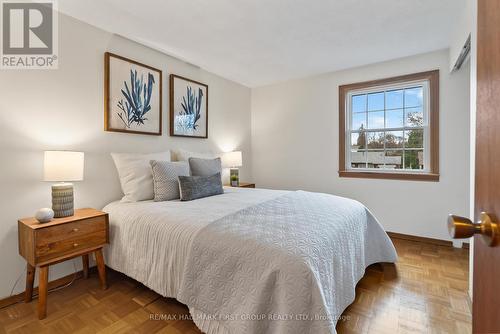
(250, 260)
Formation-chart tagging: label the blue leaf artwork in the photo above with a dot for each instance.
(188, 107)
(191, 110)
(136, 101)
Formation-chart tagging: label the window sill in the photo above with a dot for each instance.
(390, 176)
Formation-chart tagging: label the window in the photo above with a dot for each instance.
(389, 128)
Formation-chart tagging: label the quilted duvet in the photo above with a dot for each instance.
(288, 264)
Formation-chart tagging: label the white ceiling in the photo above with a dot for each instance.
(258, 42)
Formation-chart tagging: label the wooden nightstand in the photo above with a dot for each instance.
(243, 185)
(44, 244)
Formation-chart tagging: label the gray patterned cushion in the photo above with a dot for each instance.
(165, 179)
(194, 187)
(205, 167)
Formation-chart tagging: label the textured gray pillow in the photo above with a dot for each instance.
(194, 187)
(205, 167)
(165, 179)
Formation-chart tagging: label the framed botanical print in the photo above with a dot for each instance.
(188, 108)
(133, 96)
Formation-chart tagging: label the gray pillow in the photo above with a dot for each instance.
(165, 179)
(205, 167)
(194, 187)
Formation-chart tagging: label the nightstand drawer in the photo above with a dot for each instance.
(55, 233)
(48, 251)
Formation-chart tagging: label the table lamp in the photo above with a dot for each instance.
(233, 160)
(63, 167)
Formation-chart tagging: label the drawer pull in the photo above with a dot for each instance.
(76, 229)
(75, 245)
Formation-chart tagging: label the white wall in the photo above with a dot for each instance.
(295, 146)
(462, 30)
(472, 12)
(63, 109)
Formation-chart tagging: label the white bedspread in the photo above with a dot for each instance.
(251, 261)
(149, 241)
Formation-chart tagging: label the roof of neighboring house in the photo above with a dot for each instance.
(376, 158)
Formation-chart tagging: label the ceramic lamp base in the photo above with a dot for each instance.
(62, 200)
(234, 177)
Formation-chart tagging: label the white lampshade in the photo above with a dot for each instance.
(61, 166)
(232, 159)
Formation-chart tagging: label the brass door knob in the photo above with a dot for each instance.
(461, 227)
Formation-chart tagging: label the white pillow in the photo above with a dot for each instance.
(183, 155)
(136, 177)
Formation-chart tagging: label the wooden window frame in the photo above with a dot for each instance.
(433, 174)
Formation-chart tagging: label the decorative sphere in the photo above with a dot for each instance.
(44, 215)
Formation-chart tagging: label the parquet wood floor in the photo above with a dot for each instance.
(425, 292)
